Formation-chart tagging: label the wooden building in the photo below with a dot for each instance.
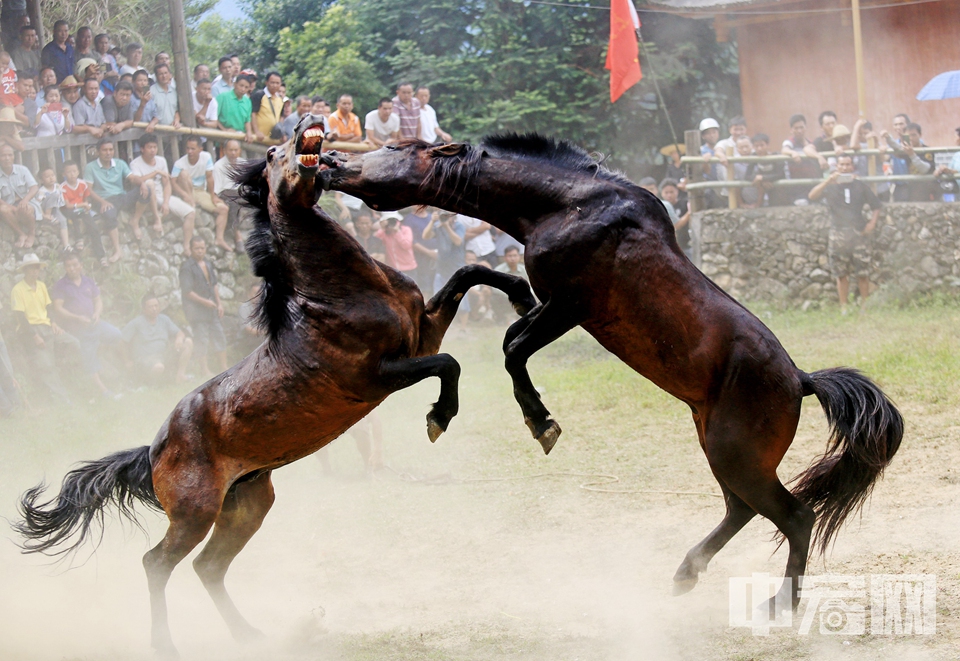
(797, 56)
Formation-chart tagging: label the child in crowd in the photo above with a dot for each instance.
(678, 211)
(53, 118)
(766, 173)
(749, 197)
(8, 82)
(76, 201)
(51, 200)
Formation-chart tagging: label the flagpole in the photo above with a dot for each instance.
(656, 86)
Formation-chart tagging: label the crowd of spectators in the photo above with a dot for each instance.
(60, 334)
(81, 84)
(806, 160)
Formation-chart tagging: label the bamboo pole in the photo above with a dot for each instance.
(222, 136)
(790, 183)
(691, 140)
(689, 160)
(858, 54)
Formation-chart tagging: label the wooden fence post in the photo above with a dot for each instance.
(691, 140)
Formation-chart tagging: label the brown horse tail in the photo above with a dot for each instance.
(121, 478)
(865, 432)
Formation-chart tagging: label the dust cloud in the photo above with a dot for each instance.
(349, 566)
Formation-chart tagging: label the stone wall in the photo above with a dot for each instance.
(153, 263)
(779, 255)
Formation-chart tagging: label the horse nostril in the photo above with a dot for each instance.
(270, 153)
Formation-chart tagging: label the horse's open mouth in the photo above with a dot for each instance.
(309, 145)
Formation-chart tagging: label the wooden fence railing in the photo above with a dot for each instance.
(53, 150)
(696, 183)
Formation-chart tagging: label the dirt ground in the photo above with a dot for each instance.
(422, 562)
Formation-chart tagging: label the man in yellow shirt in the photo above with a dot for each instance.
(40, 337)
(344, 123)
(266, 106)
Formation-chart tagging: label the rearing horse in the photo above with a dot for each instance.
(602, 253)
(344, 332)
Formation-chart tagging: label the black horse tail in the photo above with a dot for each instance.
(121, 478)
(865, 432)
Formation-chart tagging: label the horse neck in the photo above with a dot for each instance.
(515, 197)
(323, 261)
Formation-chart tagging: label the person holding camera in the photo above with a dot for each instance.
(451, 245)
(398, 242)
(849, 245)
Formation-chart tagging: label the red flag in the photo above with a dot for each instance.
(623, 59)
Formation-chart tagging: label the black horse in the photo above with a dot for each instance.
(344, 332)
(601, 252)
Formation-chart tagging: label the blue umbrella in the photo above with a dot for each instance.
(944, 86)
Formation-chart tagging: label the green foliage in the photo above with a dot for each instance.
(213, 38)
(144, 21)
(259, 45)
(324, 58)
(500, 65)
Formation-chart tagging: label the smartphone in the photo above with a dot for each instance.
(54, 107)
(845, 178)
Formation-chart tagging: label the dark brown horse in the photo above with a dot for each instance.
(601, 253)
(344, 332)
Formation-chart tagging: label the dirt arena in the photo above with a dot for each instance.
(423, 561)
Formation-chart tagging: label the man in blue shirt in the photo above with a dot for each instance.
(107, 176)
(58, 54)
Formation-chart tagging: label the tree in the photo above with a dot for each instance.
(324, 58)
(144, 21)
(502, 65)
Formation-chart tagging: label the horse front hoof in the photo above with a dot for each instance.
(434, 429)
(166, 650)
(683, 586)
(549, 436)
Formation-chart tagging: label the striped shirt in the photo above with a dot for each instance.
(409, 117)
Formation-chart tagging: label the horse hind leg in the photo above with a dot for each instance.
(763, 492)
(404, 372)
(192, 514)
(737, 516)
(537, 329)
(244, 508)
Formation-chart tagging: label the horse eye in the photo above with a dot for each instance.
(391, 147)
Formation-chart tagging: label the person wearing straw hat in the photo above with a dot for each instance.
(40, 338)
(18, 188)
(86, 68)
(70, 91)
(10, 129)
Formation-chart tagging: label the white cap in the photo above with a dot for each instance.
(391, 215)
(709, 123)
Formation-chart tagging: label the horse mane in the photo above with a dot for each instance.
(273, 311)
(549, 151)
(455, 168)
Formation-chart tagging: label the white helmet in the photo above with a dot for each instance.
(709, 123)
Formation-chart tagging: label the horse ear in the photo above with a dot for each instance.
(452, 149)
